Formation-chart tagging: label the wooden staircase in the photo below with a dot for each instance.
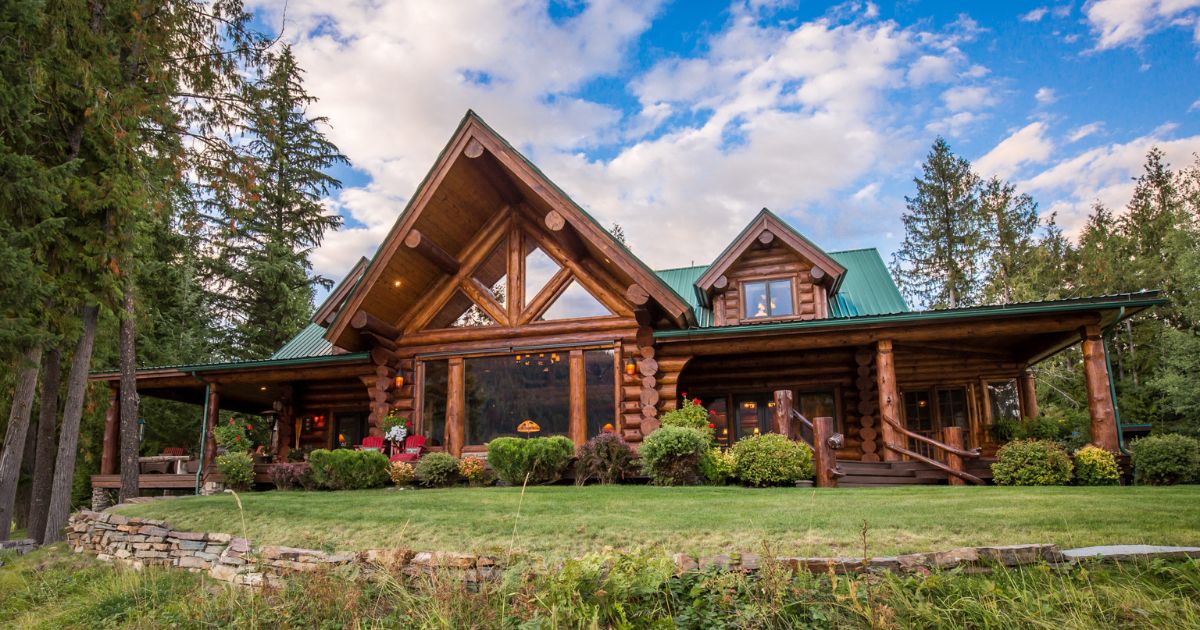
(881, 474)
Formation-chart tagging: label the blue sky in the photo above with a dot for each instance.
(680, 120)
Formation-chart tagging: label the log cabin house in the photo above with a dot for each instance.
(496, 299)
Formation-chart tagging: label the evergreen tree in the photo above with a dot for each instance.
(937, 265)
(1010, 223)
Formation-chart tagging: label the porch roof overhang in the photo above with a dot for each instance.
(1043, 328)
(246, 386)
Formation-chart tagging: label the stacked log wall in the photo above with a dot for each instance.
(775, 263)
(870, 445)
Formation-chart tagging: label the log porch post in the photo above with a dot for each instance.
(953, 437)
(1028, 392)
(456, 406)
(824, 458)
(1100, 402)
(783, 413)
(889, 404)
(210, 438)
(109, 449)
(577, 428)
(285, 423)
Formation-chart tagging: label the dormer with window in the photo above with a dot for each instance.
(770, 273)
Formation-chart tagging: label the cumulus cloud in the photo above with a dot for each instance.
(1104, 174)
(967, 97)
(1035, 15)
(1127, 22)
(1045, 96)
(1027, 145)
(1083, 131)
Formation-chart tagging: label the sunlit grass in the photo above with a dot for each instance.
(562, 521)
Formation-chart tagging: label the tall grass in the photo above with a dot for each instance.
(52, 588)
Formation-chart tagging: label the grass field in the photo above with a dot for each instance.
(562, 521)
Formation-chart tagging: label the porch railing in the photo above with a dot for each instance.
(825, 439)
(952, 448)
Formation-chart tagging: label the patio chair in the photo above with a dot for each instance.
(154, 468)
(174, 450)
(414, 447)
(371, 443)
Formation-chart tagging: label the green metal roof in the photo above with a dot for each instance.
(867, 287)
(309, 342)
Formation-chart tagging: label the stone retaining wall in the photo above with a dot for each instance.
(139, 543)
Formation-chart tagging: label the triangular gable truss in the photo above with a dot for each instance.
(579, 247)
(767, 227)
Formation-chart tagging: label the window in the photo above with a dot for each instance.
(952, 411)
(813, 405)
(575, 303)
(918, 416)
(600, 387)
(505, 390)
(433, 401)
(769, 298)
(1004, 401)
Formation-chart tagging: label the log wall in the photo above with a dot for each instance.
(776, 262)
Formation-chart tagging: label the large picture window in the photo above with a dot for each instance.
(768, 298)
(505, 390)
(600, 386)
(433, 402)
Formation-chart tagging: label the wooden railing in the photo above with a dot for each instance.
(825, 440)
(955, 454)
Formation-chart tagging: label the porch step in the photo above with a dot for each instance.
(860, 474)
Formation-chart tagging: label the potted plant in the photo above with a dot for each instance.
(395, 429)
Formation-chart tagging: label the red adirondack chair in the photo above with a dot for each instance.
(371, 443)
(414, 447)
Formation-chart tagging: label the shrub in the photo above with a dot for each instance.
(1166, 459)
(543, 459)
(771, 459)
(344, 469)
(717, 466)
(1095, 466)
(289, 476)
(471, 469)
(1031, 463)
(401, 473)
(233, 435)
(437, 470)
(671, 455)
(690, 415)
(606, 458)
(238, 469)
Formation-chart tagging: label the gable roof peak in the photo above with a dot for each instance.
(765, 227)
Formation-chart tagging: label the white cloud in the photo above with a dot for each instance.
(1127, 22)
(967, 97)
(1045, 96)
(1035, 15)
(1027, 145)
(1083, 131)
(931, 69)
(1104, 174)
(1195, 105)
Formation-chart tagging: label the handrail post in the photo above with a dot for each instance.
(783, 413)
(953, 438)
(823, 455)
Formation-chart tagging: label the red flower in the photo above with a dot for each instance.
(711, 425)
(685, 395)
(249, 427)
(712, 412)
(238, 438)
(695, 401)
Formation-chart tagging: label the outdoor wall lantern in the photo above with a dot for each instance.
(630, 366)
(401, 375)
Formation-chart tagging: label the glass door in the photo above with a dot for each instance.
(753, 414)
(918, 418)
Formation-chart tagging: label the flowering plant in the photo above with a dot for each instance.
(234, 435)
(395, 426)
(471, 469)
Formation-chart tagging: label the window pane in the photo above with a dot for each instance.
(493, 272)
(755, 299)
(600, 384)
(952, 410)
(781, 298)
(813, 405)
(575, 302)
(461, 312)
(539, 268)
(433, 402)
(503, 391)
(1004, 402)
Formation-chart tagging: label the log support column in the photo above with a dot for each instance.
(782, 417)
(889, 398)
(285, 423)
(109, 453)
(1028, 393)
(1100, 402)
(824, 458)
(456, 406)
(953, 437)
(577, 427)
(210, 422)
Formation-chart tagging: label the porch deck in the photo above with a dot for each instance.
(166, 481)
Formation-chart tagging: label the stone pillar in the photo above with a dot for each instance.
(1100, 402)
(889, 399)
(110, 447)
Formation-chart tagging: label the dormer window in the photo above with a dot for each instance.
(768, 298)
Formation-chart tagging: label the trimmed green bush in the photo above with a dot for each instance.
(345, 469)
(771, 459)
(543, 459)
(671, 455)
(717, 466)
(690, 415)
(606, 458)
(1163, 460)
(1031, 463)
(1095, 466)
(437, 470)
(238, 469)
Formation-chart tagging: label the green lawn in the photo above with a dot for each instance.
(561, 521)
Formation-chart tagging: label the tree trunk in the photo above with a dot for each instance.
(14, 438)
(129, 398)
(68, 440)
(43, 470)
